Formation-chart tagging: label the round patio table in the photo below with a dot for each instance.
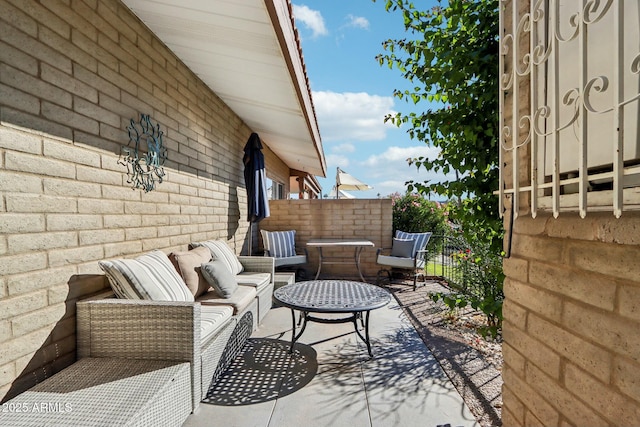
(332, 296)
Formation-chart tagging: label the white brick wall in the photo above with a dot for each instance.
(72, 75)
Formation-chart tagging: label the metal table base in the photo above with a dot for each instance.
(334, 260)
(305, 317)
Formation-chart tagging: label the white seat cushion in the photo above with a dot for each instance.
(291, 260)
(257, 280)
(240, 299)
(212, 318)
(397, 262)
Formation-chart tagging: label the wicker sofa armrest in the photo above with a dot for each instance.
(137, 329)
(258, 264)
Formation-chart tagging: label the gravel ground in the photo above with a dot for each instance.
(473, 364)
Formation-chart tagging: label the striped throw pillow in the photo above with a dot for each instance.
(280, 244)
(421, 240)
(221, 251)
(151, 276)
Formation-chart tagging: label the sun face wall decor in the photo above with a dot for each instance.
(144, 169)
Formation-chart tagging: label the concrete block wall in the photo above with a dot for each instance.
(72, 75)
(329, 218)
(572, 321)
(571, 318)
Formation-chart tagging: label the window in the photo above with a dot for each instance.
(569, 111)
(275, 189)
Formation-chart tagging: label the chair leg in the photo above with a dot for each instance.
(378, 277)
(415, 278)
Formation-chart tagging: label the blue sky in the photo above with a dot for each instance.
(352, 93)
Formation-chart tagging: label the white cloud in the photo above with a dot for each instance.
(385, 188)
(344, 148)
(336, 160)
(389, 170)
(352, 116)
(311, 19)
(358, 22)
(401, 154)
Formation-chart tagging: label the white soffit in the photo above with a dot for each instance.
(246, 51)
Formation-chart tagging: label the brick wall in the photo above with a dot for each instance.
(572, 322)
(317, 218)
(72, 75)
(571, 318)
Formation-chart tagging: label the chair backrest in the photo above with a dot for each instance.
(279, 244)
(421, 240)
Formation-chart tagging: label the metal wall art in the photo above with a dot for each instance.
(144, 168)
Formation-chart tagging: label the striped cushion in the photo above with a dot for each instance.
(212, 319)
(421, 240)
(280, 244)
(149, 277)
(220, 250)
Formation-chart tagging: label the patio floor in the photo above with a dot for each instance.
(330, 380)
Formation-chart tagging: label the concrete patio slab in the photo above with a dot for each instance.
(334, 398)
(329, 380)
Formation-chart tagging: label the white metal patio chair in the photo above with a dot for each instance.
(408, 253)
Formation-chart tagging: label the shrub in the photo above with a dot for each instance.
(415, 214)
(480, 284)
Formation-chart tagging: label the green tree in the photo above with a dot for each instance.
(415, 214)
(451, 58)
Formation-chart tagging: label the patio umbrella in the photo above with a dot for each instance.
(346, 182)
(256, 183)
(343, 194)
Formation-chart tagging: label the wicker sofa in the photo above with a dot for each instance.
(208, 331)
(203, 334)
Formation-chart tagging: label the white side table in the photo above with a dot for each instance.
(357, 244)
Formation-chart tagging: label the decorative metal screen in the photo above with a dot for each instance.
(570, 85)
